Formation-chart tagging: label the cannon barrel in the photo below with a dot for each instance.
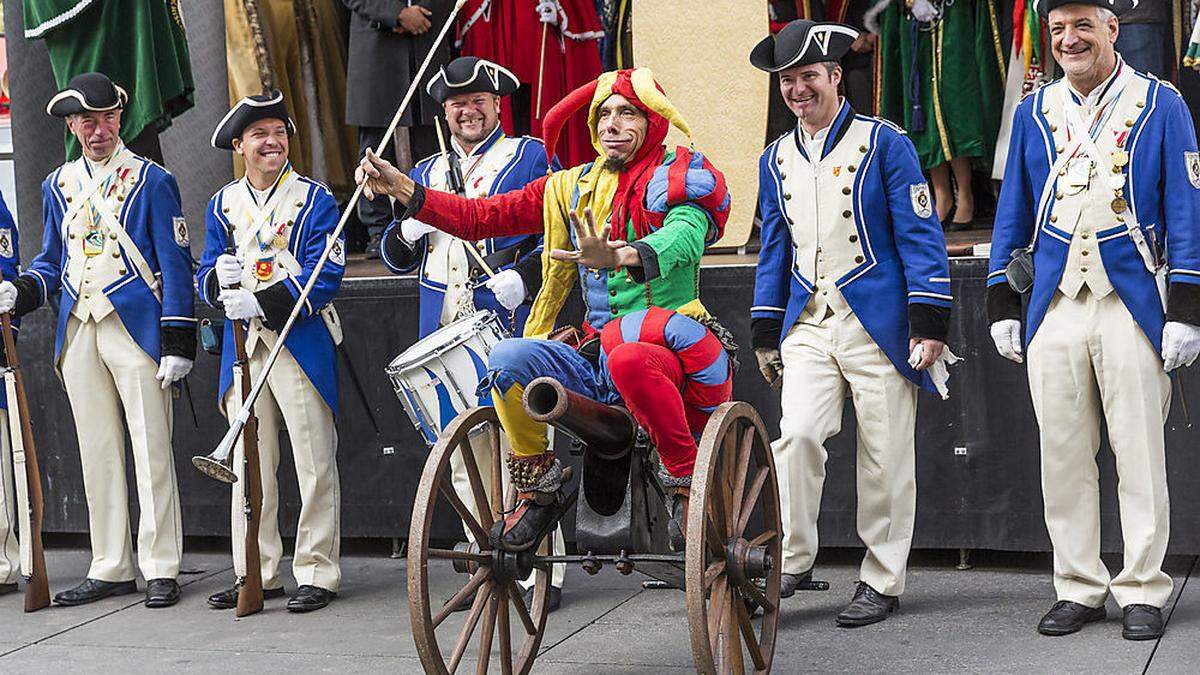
(605, 429)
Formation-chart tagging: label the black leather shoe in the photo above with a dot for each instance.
(1142, 622)
(92, 590)
(1067, 617)
(553, 598)
(5, 589)
(789, 583)
(161, 592)
(528, 523)
(868, 606)
(309, 599)
(227, 599)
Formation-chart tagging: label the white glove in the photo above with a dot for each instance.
(8, 297)
(240, 304)
(171, 369)
(509, 289)
(229, 270)
(924, 11)
(770, 364)
(1180, 344)
(412, 230)
(1006, 334)
(937, 370)
(548, 12)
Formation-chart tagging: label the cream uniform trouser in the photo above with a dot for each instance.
(290, 400)
(1088, 356)
(10, 552)
(111, 383)
(462, 485)
(820, 361)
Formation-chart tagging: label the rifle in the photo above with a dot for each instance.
(30, 498)
(220, 467)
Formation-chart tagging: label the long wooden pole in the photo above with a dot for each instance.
(37, 585)
(243, 414)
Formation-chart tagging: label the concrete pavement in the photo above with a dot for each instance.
(979, 620)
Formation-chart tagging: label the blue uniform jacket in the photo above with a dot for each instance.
(149, 215)
(904, 255)
(309, 341)
(1159, 190)
(9, 258)
(527, 164)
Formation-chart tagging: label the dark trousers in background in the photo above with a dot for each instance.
(421, 143)
(1145, 47)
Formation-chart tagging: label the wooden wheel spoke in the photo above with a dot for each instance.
(716, 511)
(481, 500)
(714, 570)
(751, 591)
(747, 628)
(468, 629)
(522, 611)
(747, 507)
(485, 641)
(506, 664)
(762, 538)
(716, 612)
(447, 554)
(716, 543)
(741, 469)
(463, 512)
(481, 575)
(734, 663)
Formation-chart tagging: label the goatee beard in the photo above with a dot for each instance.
(614, 164)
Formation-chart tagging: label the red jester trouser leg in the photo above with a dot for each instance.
(650, 378)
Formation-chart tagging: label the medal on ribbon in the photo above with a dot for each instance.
(93, 243)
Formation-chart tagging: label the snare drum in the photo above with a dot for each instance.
(436, 378)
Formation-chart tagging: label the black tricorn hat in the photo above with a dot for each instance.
(87, 92)
(802, 42)
(1117, 7)
(468, 75)
(248, 111)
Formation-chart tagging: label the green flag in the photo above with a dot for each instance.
(139, 44)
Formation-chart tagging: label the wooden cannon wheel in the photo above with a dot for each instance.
(733, 542)
(495, 596)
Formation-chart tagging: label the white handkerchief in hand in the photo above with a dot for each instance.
(938, 371)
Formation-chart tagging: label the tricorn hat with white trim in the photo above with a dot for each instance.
(87, 92)
(469, 75)
(801, 43)
(1117, 7)
(248, 111)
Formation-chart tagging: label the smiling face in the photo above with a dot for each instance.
(98, 132)
(472, 117)
(1082, 38)
(622, 128)
(264, 146)
(811, 92)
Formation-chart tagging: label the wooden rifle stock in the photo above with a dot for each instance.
(250, 592)
(37, 586)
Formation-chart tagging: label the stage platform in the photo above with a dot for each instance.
(977, 454)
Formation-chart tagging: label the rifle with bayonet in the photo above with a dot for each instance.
(28, 476)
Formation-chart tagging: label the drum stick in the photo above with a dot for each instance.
(437, 121)
(334, 240)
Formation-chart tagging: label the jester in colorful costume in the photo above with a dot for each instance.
(639, 273)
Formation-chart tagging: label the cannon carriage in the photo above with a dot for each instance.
(729, 572)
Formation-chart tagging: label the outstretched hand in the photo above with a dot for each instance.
(379, 177)
(595, 250)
